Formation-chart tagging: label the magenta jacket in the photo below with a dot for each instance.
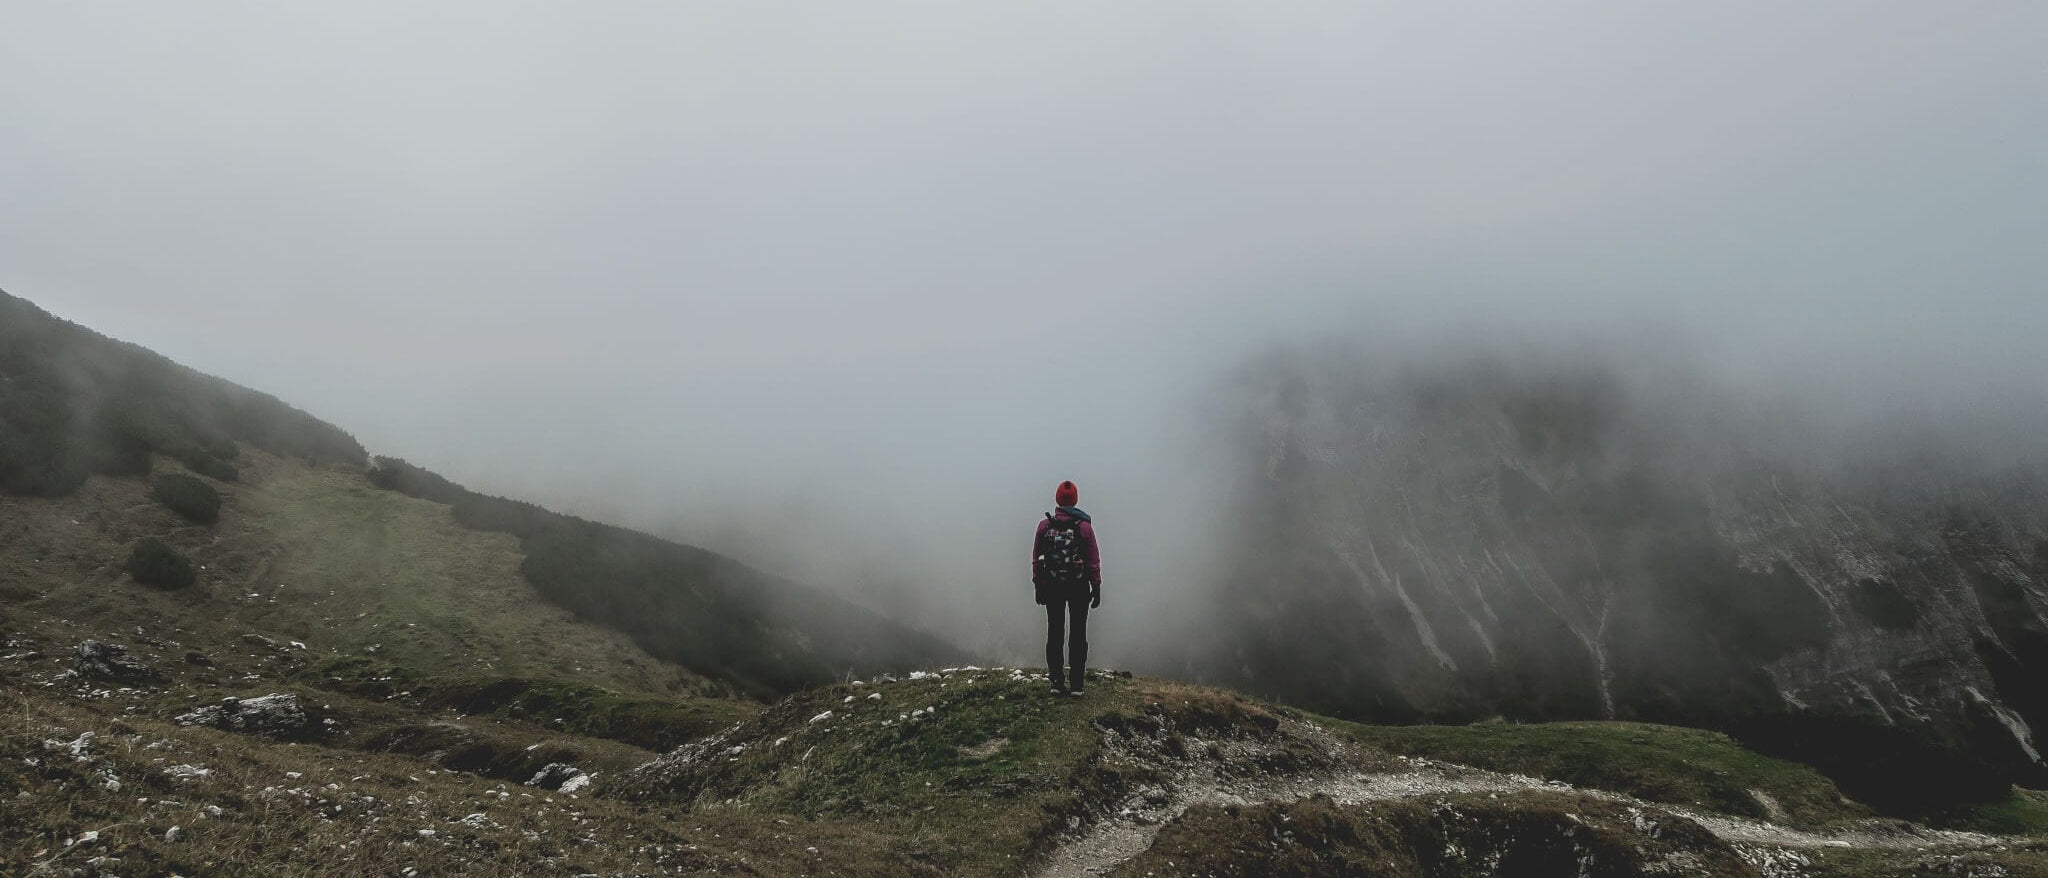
(1087, 531)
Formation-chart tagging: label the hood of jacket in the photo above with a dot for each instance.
(1073, 512)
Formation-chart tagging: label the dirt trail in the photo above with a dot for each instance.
(1111, 841)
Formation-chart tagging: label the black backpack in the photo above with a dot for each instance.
(1060, 557)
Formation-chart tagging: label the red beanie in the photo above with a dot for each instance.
(1067, 495)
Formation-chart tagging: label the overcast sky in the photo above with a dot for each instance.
(852, 275)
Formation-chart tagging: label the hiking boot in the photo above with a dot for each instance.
(1076, 691)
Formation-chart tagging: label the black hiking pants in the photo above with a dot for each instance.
(1061, 604)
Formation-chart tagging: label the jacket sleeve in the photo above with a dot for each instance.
(1093, 552)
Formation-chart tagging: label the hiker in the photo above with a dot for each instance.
(1066, 575)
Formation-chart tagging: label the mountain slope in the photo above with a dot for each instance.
(704, 611)
(1558, 537)
(84, 419)
(74, 403)
(314, 556)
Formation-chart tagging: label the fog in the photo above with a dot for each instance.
(846, 290)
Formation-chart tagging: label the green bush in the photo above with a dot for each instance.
(194, 499)
(153, 563)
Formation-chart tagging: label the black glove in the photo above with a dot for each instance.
(1095, 596)
(1038, 593)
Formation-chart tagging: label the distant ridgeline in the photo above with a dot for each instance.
(74, 403)
(702, 610)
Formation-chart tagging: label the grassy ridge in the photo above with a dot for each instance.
(317, 557)
(975, 772)
(401, 575)
(973, 789)
(763, 634)
(75, 404)
(1666, 764)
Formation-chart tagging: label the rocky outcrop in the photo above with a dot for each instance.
(560, 776)
(1556, 539)
(99, 660)
(275, 715)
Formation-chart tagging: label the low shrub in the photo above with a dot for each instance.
(191, 498)
(157, 564)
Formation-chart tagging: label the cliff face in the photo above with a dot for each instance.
(1559, 539)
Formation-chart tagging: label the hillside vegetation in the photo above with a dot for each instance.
(74, 403)
(704, 611)
(84, 419)
(318, 557)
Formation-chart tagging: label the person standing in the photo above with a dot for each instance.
(1066, 575)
